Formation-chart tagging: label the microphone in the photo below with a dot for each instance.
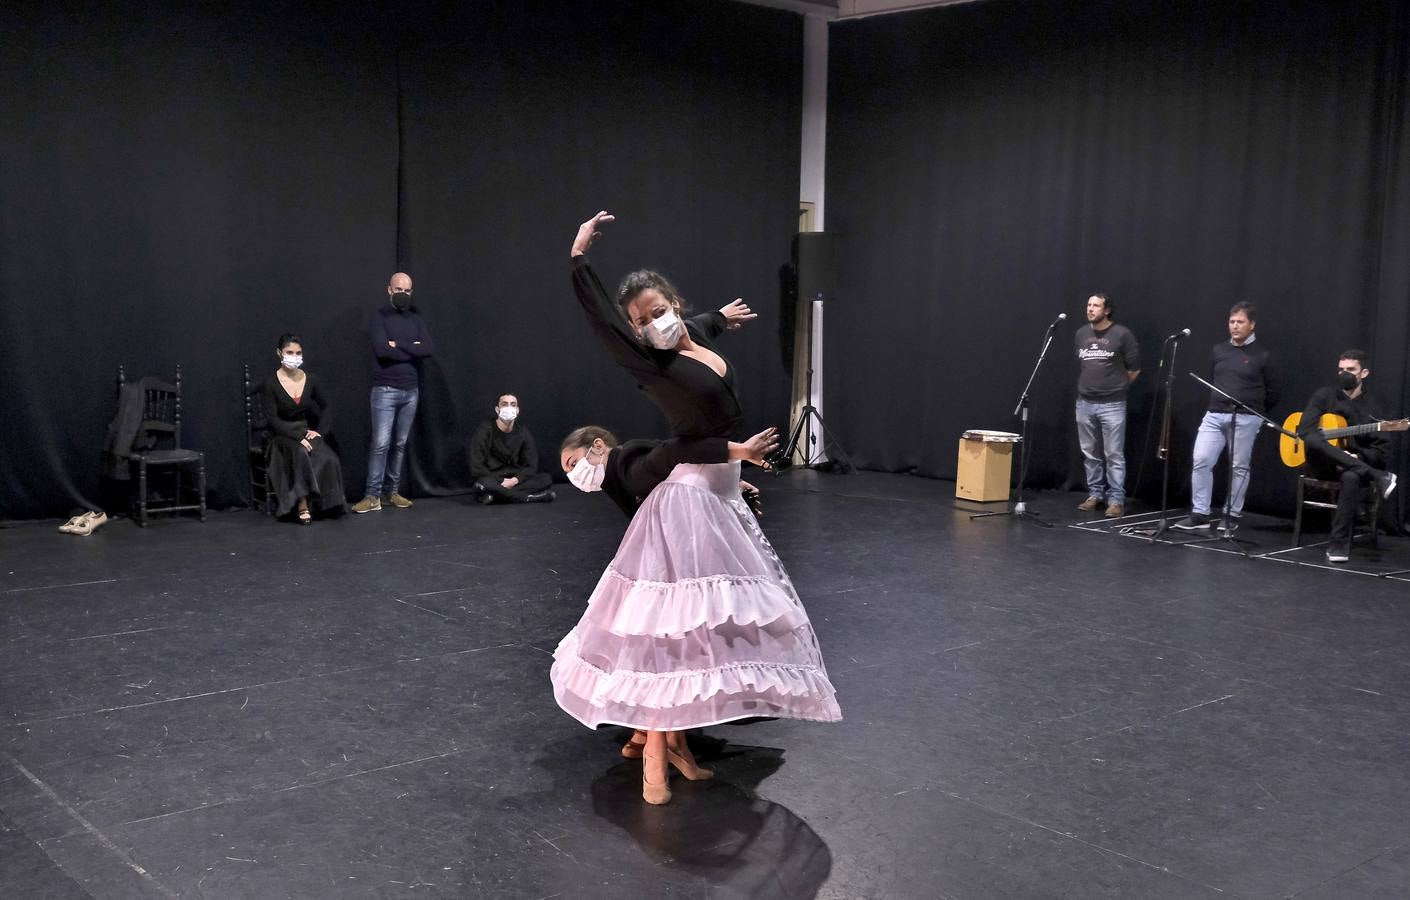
(1060, 317)
(1182, 333)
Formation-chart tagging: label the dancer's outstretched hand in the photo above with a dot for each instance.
(760, 447)
(737, 313)
(587, 232)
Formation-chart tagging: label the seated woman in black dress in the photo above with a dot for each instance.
(303, 469)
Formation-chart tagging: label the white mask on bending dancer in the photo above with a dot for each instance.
(587, 477)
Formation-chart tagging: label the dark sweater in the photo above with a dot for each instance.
(636, 467)
(696, 401)
(398, 366)
(1371, 448)
(1245, 373)
(495, 455)
(1104, 358)
(292, 420)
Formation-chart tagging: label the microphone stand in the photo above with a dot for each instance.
(1163, 451)
(1226, 534)
(1020, 507)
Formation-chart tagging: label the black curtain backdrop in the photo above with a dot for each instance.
(993, 164)
(183, 183)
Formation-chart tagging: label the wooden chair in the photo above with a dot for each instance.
(257, 434)
(161, 424)
(1321, 494)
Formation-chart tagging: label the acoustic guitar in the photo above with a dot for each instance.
(1334, 429)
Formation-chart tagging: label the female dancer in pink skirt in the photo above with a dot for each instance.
(695, 621)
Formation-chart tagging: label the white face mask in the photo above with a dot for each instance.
(665, 331)
(291, 361)
(586, 476)
(508, 413)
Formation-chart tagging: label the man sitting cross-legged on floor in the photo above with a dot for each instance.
(504, 461)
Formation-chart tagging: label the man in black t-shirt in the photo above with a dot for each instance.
(1108, 361)
(504, 461)
(1363, 460)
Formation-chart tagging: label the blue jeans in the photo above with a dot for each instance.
(392, 412)
(1101, 430)
(1209, 444)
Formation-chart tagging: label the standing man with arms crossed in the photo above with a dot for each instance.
(1108, 361)
(400, 341)
(1242, 369)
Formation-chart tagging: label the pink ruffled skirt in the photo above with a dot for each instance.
(695, 622)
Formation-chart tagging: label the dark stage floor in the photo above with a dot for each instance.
(361, 709)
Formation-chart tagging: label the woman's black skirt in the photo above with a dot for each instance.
(295, 473)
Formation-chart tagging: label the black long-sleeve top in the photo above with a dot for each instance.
(398, 366)
(497, 455)
(635, 467)
(1362, 410)
(1245, 373)
(696, 401)
(292, 419)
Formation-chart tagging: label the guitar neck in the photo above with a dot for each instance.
(1350, 431)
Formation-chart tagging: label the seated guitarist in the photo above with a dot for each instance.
(1363, 460)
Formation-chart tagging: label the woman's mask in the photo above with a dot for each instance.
(587, 477)
(665, 331)
(291, 361)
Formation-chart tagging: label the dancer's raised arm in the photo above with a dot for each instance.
(606, 320)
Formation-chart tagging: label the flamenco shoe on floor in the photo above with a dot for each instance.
(688, 767)
(633, 748)
(68, 527)
(655, 794)
(305, 517)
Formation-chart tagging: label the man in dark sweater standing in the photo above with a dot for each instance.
(1364, 459)
(1108, 361)
(400, 341)
(1241, 368)
(504, 461)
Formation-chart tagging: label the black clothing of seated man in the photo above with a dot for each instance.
(504, 461)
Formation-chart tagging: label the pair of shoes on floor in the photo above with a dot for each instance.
(1338, 552)
(1091, 504)
(85, 523)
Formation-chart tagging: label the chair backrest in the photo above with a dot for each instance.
(257, 430)
(161, 405)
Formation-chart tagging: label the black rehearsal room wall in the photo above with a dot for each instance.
(992, 164)
(183, 182)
